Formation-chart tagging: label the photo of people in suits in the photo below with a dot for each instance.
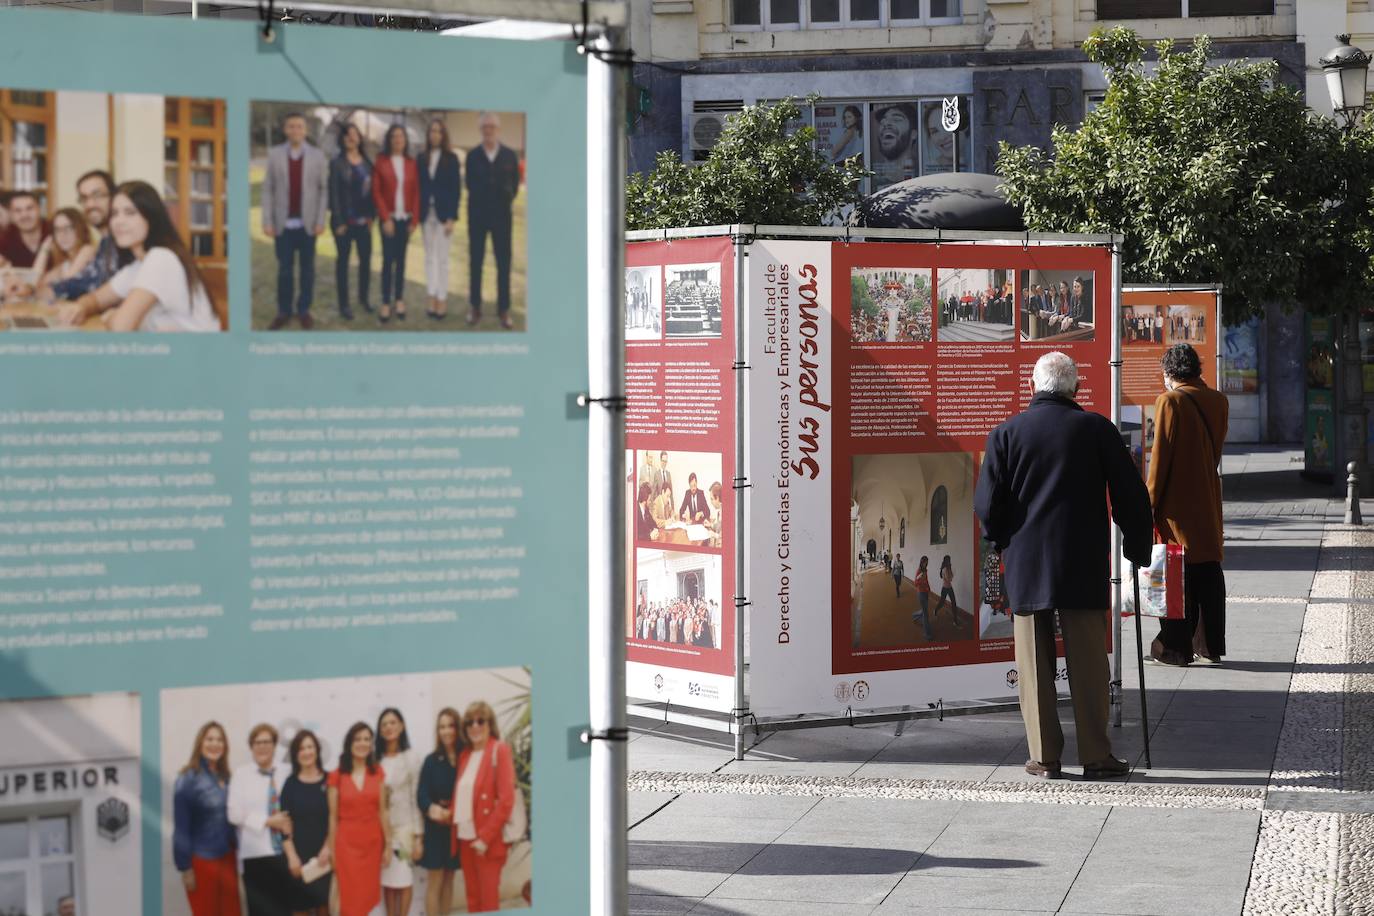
(677, 599)
(643, 303)
(416, 217)
(1142, 325)
(1056, 306)
(889, 305)
(976, 305)
(922, 593)
(403, 794)
(676, 498)
(112, 213)
(1186, 324)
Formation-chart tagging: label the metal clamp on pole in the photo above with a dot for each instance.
(617, 57)
(614, 402)
(740, 483)
(267, 13)
(610, 734)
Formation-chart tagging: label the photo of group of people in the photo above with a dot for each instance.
(643, 303)
(112, 212)
(912, 564)
(890, 305)
(1056, 306)
(678, 498)
(1142, 324)
(691, 300)
(430, 200)
(677, 598)
(1187, 324)
(976, 305)
(408, 793)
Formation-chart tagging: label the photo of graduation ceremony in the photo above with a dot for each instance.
(398, 794)
(1056, 306)
(911, 559)
(377, 219)
(976, 305)
(889, 305)
(112, 212)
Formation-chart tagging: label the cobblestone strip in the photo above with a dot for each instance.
(1313, 862)
(1059, 792)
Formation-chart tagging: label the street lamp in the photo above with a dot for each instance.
(1347, 71)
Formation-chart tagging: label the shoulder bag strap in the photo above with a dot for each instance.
(1211, 440)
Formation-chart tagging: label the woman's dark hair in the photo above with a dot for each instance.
(457, 718)
(294, 750)
(346, 757)
(445, 143)
(162, 234)
(945, 562)
(858, 117)
(80, 228)
(646, 491)
(402, 740)
(344, 128)
(387, 145)
(1181, 363)
(925, 562)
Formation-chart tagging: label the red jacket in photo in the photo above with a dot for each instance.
(384, 189)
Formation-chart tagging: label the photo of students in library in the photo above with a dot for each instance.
(112, 212)
(691, 300)
(372, 219)
(889, 305)
(1142, 324)
(401, 794)
(1187, 324)
(643, 303)
(677, 498)
(911, 556)
(976, 305)
(71, 821)
(677, 599)
(1056, 306)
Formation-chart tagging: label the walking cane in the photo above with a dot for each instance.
(1140, 663)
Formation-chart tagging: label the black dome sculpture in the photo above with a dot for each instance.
(952, 200)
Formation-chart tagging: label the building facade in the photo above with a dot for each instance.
(919, 87)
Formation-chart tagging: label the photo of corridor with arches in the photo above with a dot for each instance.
(1056, 305)
(911, 558)
(976, 305)
(889, 305)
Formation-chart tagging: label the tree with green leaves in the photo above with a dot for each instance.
(1211, 174)
(763, 169)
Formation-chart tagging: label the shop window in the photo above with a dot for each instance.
(26, 129)
(37, 864)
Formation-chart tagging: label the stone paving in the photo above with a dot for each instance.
(1260, 800)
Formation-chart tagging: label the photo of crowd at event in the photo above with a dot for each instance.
(677, 498)
(1056, 305)
(692, 300)
(1187, 324)
(889, 305)
(114, 228)
(643, 307)
(977, 305)
(1142, 324)
(677, 598)
(346, 804)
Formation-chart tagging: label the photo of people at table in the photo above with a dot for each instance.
(1187, 324)
(889, 305)
(677, 498)
(112, 213)
(677, 598)
(402, 794)
(976, 305)
(1142, 324)
(911, 550)
(387, 219)
(1056, 305)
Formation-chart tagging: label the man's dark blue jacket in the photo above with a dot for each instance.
(1042, 499)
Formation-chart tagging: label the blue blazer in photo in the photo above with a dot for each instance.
(444, 190)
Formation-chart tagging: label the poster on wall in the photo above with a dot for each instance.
(680, 430)
(249, 564)
(1153, 319)
(876, 372)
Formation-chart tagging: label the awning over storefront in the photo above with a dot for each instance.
(953, 200)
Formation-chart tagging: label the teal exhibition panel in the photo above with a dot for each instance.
(288, 336)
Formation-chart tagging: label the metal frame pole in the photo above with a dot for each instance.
(741, 366)
(606, 561)
(1118, 693)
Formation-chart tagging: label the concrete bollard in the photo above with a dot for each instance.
(1352, 497)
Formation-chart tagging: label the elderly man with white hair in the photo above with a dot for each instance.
(1042, 498)
(493, 180)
